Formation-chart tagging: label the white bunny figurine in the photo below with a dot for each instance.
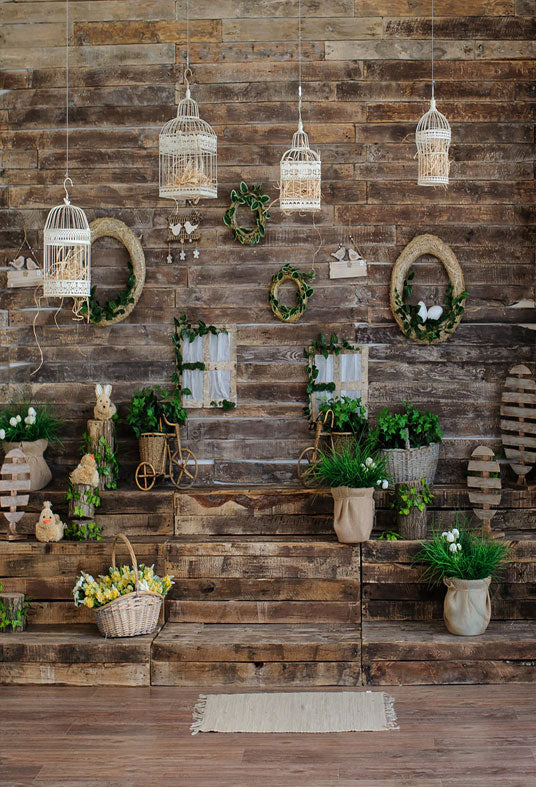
(104, 409)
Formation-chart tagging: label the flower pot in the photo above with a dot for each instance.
(40, 474)
(412, 464)
(353, 513)
(152, 447)
(467, 606)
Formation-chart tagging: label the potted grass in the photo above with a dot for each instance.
(30, 428)
(352, 471)
(410, 443)
(344, 416)
(409, 503)
(466, 562)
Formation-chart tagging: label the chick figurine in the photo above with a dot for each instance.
(49, 527)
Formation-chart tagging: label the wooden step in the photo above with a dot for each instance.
(393, 588)
(256, 655)
(239, 611)
(74, 656)
(426, 653)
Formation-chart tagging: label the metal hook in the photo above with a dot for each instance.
(66, 198)
(187, 73)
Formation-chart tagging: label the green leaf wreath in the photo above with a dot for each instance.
(257, 201)
(431, 330)
(115, 306)
(300, 278)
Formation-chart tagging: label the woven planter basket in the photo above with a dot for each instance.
(412, 464)
(152, 447)
(131, 615)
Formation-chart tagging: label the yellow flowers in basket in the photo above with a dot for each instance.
(120, 581)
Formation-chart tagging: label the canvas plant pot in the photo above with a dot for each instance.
(467, 607)
(40, 474)
(353, 513)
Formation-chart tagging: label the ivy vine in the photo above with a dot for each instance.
(88, 497)
(300, 278)
(113, 308)
(321, 346)
(432, 330)
(257, 201)
(105, 459)
(17, 621)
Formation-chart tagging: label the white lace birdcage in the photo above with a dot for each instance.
(300, 175)
(433, 137)
(67, 253)
(188, 154)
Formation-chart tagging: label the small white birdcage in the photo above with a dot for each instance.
(433, 137)
(188, 154)
(300, 178)
(67, 252)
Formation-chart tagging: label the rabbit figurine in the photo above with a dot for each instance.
(49, 526)
(104, 409)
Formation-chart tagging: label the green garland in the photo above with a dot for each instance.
(114, 307)
(105, 458)
(289, 273)
(431, 330)
(255, 199)
(321, 347)
(83, 531)
(186, 331)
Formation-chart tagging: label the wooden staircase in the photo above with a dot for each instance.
(264, 596)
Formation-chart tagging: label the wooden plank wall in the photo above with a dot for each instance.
(366, 82)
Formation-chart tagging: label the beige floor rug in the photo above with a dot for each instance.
(300, 711)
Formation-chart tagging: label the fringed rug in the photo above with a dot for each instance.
(302, 711)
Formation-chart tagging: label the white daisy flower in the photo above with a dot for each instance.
(459, 547)
(450, 537)
(32, 411)
(453, 548)
(19, 418)
(13, 421)
(385, 483)
(369, 461)
(455, 532)
(2, 434)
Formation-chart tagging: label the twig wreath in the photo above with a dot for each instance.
(118, 308)
(406, 315)
(300, 278)
(255, 199)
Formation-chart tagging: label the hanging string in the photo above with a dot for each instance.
(299, 66)
(433, 96)
(67, 178)
(187, 33)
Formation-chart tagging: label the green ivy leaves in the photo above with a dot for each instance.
(431, 330)
(115, 306)
(301, 278)
(256, 201)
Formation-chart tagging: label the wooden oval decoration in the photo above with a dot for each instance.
(437, 330)
(484, 485)
(113, 228)
(518, 421)
(14, 478)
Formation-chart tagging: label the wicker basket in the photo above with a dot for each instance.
(131, 615)
(412, 464)
(153, 450)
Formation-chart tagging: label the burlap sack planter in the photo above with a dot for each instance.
(353, 513)
(467, 607)
(40, 474)
(411, 464)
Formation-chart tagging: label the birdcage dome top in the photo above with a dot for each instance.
(300, 150)
(68, 217)
(433, 123)
(187, 120)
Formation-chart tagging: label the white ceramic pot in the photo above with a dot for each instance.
(353, 513)
(467, 606)
(40, 474)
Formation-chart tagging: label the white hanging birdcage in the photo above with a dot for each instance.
(433, 137)
(300, 175)
(67, 252)
(188, 154)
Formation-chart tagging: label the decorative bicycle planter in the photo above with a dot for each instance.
(158, 460)
(309, 455)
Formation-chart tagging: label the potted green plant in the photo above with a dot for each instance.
(344, 415)
(409, 502)
(465, 562)
(353, 471)
(30, 428)
(150, 414)
(410, 443)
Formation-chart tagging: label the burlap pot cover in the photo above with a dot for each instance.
(40, 474)
(467, 607)
(353, 513)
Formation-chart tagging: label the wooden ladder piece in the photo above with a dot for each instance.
(518, 421)
(15, 478)
(484, 486)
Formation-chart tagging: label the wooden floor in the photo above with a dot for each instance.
(450, 736)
